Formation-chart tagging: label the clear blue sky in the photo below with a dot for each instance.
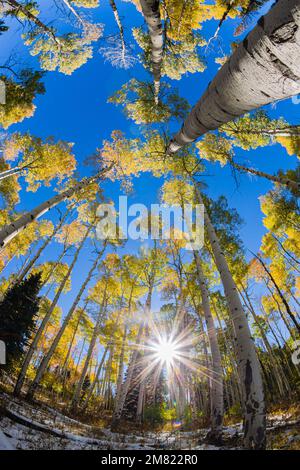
(75, 109)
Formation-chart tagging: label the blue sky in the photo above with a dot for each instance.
(75, 109)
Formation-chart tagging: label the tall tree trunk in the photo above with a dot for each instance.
(76, 397)
(224, 16)
(276, 366)
(53, 268)
(151, 14)
(97, 374)
(142, 387)
(264, 68)
(19, 8)
(121, 30)
(74, 12)
(290, 184)
(110, 346)
(47, 358)
(66, 360)
(11, 230)
(287, 131)
(282, 316)
(216, 382)
(12, 171)
(45, 320)
(283, 299)
(79, 356)
(125, 386)
(232, 356)
(121, 366)
(248, 363)
(44, 245)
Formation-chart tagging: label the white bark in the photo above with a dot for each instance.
(125, 386)
(12, 171)
(121, 366)
(45, 320)
(99, 368)
(21, 8)
(248, 363)
(151, 14)
(282, 180)
(142, 388)
(10, 231)
(92, 344)
(28, 267)
(121, 30)
(46, 359)
(110, 346)
(216, 382)
(74, 12)
(264, 68)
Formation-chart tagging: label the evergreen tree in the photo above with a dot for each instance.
(18, 311)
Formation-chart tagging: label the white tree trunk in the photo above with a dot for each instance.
(99, 368)
(28, 267)
(10, 231)
(125, 386)
(121, 30)
(216, 382)
(92, 344)
(46, 359)
(45, 320)
(290, 184)
(142, 388)
(264, 68)
(151, 14)
(248, 363)
(121, 366)
(12, 171)
(21, 8)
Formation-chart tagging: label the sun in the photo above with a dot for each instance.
(166, 351)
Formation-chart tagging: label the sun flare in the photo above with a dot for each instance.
(166, 351)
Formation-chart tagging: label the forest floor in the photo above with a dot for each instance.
(36, 426)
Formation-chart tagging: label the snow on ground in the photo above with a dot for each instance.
(6, 443)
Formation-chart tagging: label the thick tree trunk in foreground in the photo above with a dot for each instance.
(216, 382)
(11, 230)
(248, 363)
(44, 323)
(264, 68)
(151, 14)
(46, 359)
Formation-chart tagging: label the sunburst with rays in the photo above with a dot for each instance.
(171, 351)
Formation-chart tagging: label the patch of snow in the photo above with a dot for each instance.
(5, 442)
